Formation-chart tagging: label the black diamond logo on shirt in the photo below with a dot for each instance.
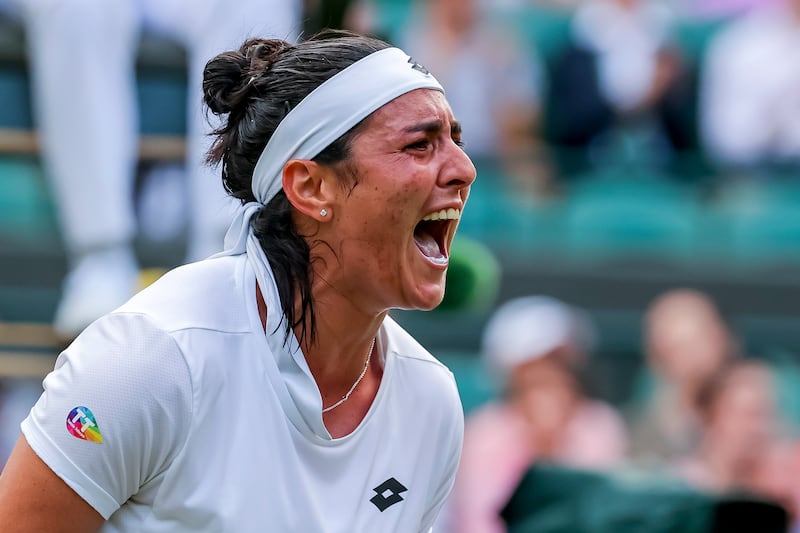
(388, 494)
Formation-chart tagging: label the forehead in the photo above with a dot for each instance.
(407, 110)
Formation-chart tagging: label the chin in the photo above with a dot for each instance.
(421, 299)
(422, 291)
(428, 301)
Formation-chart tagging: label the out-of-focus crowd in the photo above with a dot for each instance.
(627, 79)
(644, 79)
(704, 412)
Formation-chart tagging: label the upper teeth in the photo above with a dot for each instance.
(444, 214)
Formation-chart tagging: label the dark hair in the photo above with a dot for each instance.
(253, 89)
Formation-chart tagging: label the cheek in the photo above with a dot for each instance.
(394, 215)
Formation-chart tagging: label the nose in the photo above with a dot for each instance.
(458, 170)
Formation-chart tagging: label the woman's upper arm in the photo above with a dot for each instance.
(34, 499)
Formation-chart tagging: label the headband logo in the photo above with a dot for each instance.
(418, 67)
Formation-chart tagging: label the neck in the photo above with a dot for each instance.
(339, 359)
(343, 336)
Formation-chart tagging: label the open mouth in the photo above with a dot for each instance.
(431, 233)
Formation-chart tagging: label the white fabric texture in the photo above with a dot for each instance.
(202, 430)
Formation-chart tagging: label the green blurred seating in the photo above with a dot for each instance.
(161, 83)
(629, 218)
(559, 499)
(759, 222)
(546, 28)
(27, 214)
(694, 35)
(390, 17)
(509, 221)
(14, 91)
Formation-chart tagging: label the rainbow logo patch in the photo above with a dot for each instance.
(81, 423)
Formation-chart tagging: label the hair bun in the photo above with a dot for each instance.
(227, 78)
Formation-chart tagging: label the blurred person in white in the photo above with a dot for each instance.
(720, 9)
(751, 89)
(686, 342)
(82, 59)
(746, 444)
(620, 76)
(493, 81)
(629, 38)
(536, 346)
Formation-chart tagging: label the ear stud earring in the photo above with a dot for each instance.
(323, 212)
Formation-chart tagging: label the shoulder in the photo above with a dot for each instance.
(127, 351)
(412, 355)
(206, 295)
(173, 326)
(425, 384)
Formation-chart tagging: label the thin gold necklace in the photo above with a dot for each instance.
(360, 377)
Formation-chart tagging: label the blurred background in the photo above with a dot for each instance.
(638, 201)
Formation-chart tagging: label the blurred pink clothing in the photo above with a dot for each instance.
(499, 447)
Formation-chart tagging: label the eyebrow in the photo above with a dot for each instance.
(434, 126)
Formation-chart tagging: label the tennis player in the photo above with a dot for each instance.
(265, 388)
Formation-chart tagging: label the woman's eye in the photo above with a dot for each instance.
(458, 142)
(419, 145)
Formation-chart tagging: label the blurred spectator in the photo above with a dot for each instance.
(493, 83)
(619, 86)
(562, 5)
(716, 9)
(751, 89)
(744, 446)
(536, 345)
(82, 58)
(686, 343)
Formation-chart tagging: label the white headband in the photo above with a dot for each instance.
(334, 107)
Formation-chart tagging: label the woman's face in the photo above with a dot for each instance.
(743, 415)
(409, 169)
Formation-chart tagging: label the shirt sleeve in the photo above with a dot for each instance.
(115, 411)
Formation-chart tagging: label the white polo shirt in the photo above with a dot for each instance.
(177, 413)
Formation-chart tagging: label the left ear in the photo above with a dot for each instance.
(307, 186)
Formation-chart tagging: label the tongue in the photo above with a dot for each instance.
(428, 246)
